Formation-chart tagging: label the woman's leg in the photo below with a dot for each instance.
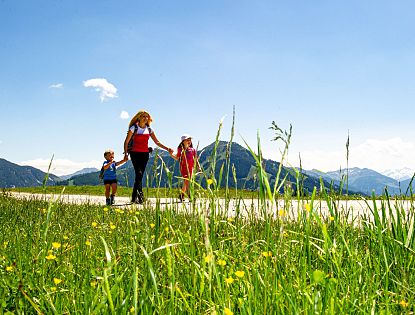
(139, 160)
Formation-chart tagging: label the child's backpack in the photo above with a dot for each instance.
(101, 173)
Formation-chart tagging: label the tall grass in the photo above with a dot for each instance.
(209, 256)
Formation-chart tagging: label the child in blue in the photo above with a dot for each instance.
(110, 175)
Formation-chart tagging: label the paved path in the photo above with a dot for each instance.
(354, 210)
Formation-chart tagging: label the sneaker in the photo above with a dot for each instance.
(181, 197)
(112, 199)
(108, 201)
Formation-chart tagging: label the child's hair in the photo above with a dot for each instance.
(138, 116)
(108, 151)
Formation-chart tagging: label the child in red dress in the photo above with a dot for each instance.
(187, 157)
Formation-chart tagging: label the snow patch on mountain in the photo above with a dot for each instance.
(399, 174)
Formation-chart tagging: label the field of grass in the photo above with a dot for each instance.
(60, 258)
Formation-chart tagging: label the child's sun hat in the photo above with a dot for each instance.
(185, 136)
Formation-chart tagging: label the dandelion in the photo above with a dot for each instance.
(228, 311)
(403, 303)
(152, 225)
(53, 289)
(9, 268)
(240, 273)
(307, 207)
(56, 245)
(50, 257)
(88, 243)
(208, 258)
(166, 229)
(281, 212)
(94, 224)
(331, 218)
(229, 280)
(221, 262)
(132, 309)
(209, 182)
(230, 220)
(267, 254)
(113, 226)
(105, 209)
(93, 283)
(5, 244)
(57, 281)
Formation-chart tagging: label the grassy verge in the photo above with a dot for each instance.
(59, 258)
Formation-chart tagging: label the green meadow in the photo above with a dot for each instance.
(58, 258)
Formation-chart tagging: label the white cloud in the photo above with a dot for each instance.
(61, 166)
(375, 154)
(107, 90)
(56, 86)
(124, 115)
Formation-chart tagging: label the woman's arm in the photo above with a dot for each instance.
(158, 143)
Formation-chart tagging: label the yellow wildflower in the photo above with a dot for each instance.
(53, 289)
(307, 207)
(267, 254)
(331, 218)
(152, 225)
(153, 236)
(112, 226)
(65, 237)
(5, 244)
(9, 268)
(94, 224)
(240, 273)
(88, 243)
(209, 182)
(166, 229)
(57, 281)
(229, 280)
(50, 257)
(221, 262)
(230, 219)
(105, 209)
(403, 303)
(228, 311)
(281, 212)
(132, 309)
(208, 258)
(56, 245)
(93, 283)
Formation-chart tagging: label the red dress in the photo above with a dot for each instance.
(187, 161)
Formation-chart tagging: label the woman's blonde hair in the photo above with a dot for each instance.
(137, 117)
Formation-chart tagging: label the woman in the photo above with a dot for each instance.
(136, 144)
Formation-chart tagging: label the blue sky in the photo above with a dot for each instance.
(329, 68)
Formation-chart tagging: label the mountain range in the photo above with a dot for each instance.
(13, 175)
(162, 170)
